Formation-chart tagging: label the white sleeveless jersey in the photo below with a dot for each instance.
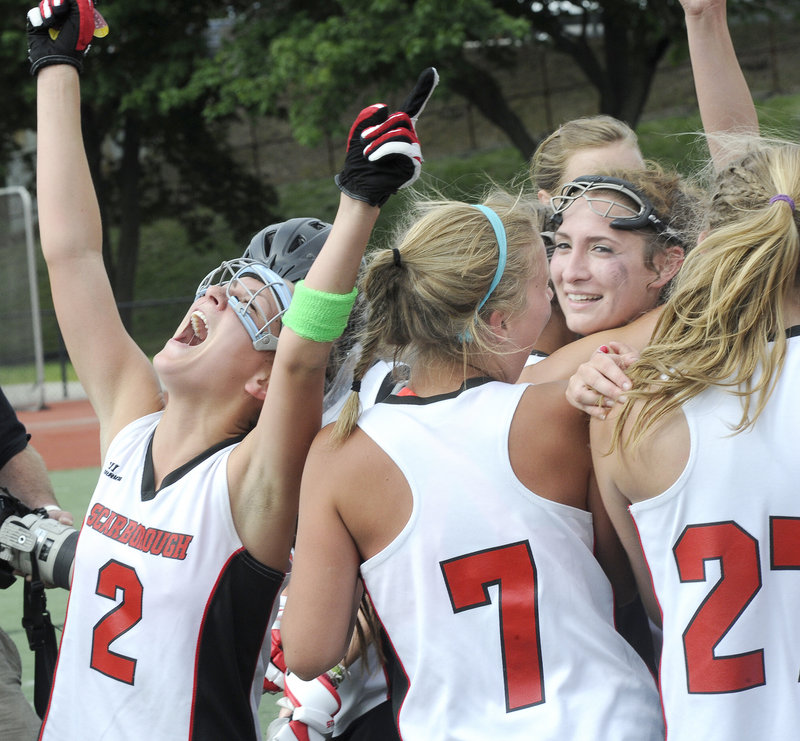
(499, 618)
(534, 358)
(167, 611)
(723, 548)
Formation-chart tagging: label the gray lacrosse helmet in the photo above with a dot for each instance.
(289, 248)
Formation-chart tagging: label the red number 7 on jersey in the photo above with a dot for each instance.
(512, 569)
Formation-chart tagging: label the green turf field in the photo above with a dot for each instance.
(73, 490)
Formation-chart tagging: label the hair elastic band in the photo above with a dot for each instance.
(356, 387)
(783, 197)
(500, 235)
(396, 256)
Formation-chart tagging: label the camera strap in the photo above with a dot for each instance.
(41, 639)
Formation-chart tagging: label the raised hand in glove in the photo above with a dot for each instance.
(60, 32)
(383, 152)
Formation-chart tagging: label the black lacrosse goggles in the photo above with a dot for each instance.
(637, 213)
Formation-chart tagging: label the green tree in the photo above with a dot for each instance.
(16, 90)
(617, 44)
(307, 61)
(149, 158)
(310, 59)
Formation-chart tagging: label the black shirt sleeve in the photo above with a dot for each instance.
(13, 435)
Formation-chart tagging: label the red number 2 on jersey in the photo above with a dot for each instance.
(738, 554)
(512, 568)
(115, 576)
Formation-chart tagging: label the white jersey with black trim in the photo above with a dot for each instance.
(167, 612)
(535, 357)
(499, 617)
(723, 548)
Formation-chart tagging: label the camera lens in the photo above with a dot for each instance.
(54, 550)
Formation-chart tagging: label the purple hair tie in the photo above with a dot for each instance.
(782, 197)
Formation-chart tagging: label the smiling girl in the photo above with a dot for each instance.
(618, 241)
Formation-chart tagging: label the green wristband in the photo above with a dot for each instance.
(317, 315)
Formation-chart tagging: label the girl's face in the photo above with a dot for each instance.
(211, 344)
(598, 272)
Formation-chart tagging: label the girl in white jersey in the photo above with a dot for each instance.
(699, 468)
(462, 503)
(187, 535)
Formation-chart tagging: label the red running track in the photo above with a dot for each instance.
(66, 434)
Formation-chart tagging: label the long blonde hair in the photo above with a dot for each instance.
(724, 323)
(423, 295)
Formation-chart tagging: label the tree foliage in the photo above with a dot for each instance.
(309, 61)
(161, 91)
(148, 157)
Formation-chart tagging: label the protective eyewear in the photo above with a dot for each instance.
(243, 300)
(635, 213)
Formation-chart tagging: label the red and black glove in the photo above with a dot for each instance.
(313, 704)
(383, 152)
(276, 668)
(60, 32)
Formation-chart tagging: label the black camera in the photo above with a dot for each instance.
(34, 544)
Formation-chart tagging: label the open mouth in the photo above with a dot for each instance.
(196, 331)
(583, 297)
(199, 326)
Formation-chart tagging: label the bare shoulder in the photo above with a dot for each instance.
(368, 490)
(549, 445)
(344, 461)
(638, 332)
(648, 467)
(546, 405)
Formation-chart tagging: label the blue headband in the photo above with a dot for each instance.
(500, 235)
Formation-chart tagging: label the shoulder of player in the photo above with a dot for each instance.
(346, 460)
(545, 413)
(548, 401)
(631, 465)
(565, 361)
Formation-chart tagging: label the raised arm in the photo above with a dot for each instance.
(116, 375)
(383, 155)
(726, 105)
